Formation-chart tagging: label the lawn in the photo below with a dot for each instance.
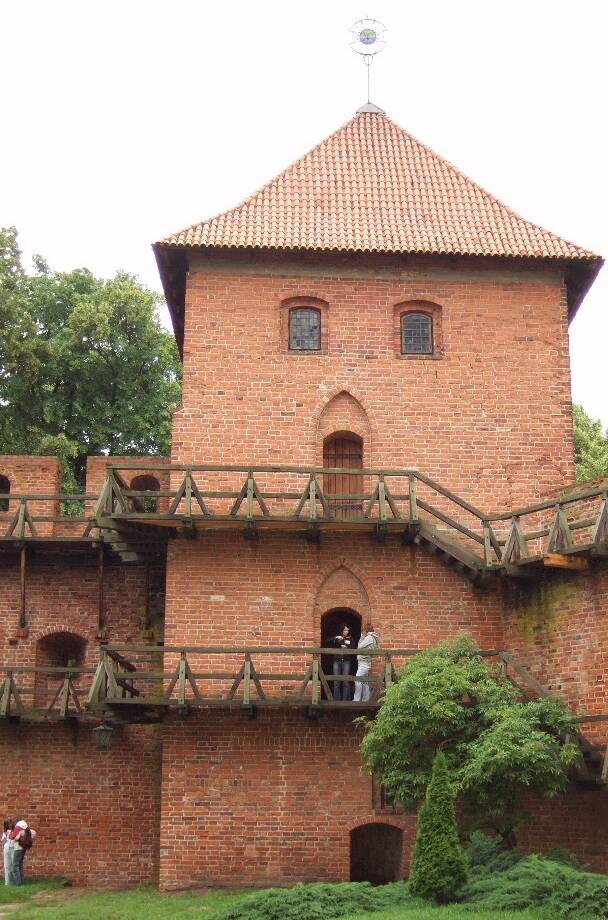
(44, 900)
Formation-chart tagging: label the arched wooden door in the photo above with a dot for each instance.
(344, 450)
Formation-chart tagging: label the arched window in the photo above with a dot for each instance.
(345, 450)
(5, 487)
(146, 483)
(305, 329)
(416, 334)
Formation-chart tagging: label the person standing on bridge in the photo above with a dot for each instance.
(369, 642)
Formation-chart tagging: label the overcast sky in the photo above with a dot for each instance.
(125, 120)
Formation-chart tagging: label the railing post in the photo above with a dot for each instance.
(316, 683)
(181, 680)
(388, 672)
(413, 502)
(382, 499)
(247, 681)
(6, 695)
(250, 494)
(188, 493)
(487, 543)
(312, 504)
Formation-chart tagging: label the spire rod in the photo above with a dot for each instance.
(368, 41)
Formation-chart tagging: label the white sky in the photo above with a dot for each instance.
(124, 120)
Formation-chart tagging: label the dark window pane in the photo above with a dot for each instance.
(416, 334)
(387, 797)
(305, 330)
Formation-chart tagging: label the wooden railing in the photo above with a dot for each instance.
(565, 531)
(229, 676)
(43, 692)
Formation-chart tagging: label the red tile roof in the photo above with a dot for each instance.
(372, 187)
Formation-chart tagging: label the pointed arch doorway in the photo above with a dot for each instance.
(343, 449)
(332, 622)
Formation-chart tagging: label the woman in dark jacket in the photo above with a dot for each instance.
(341, 663)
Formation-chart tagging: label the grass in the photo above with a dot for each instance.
(52, 902)
(11, 893)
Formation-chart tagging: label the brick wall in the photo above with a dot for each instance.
(31, 476)
(96, 812)
(62, 596)
(557, 625)
(489, 416)
(263, 802)
(273, 591)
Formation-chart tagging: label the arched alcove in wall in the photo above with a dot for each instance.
(56, 650)
(5, 487)
(375, 853)
(146, 483)
(344, 413)
(341, 589)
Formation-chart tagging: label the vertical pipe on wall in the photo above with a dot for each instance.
(22, 618)
(101, 616)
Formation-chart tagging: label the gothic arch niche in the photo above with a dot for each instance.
(343, 590)
(56, 650)
(344, 413)
(375, 853)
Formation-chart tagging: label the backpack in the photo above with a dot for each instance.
(26, 840)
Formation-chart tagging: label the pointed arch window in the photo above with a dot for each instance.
(416, 333)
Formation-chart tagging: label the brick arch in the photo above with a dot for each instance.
(342, 411)
(84, 632)
(340, 587)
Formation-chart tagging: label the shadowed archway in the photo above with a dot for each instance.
(375, 853)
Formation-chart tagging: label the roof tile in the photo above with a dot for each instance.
(372, 187)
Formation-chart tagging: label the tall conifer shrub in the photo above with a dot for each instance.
(438, 864)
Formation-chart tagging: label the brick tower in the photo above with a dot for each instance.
(376, 425)
(370, 307)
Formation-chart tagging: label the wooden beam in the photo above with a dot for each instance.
(559, 561)
(23, 576)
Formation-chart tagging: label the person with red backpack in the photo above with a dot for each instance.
(22, 837)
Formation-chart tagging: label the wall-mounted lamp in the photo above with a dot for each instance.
(103, 735)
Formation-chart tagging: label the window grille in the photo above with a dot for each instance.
(305, 329)
(416, 334)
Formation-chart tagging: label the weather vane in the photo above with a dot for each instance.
(368, 41)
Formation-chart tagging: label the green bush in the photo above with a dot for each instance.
(438, 868)
(318, 901)
(538, 881)
(489, 855)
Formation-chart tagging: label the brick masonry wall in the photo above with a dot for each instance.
(62, 596)
(489, 415)
(273, 591)
(31, 476)
(263, 802)
(96, 812)
(557, 625)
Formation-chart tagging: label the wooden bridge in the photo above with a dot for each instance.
(566, 532)
(146, 683)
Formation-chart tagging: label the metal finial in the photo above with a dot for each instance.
(368, 41)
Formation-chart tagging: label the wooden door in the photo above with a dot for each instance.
(345, 451)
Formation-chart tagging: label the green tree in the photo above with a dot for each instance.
(85, 365)
(497, 743)
(438, 867)
(590, 446)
